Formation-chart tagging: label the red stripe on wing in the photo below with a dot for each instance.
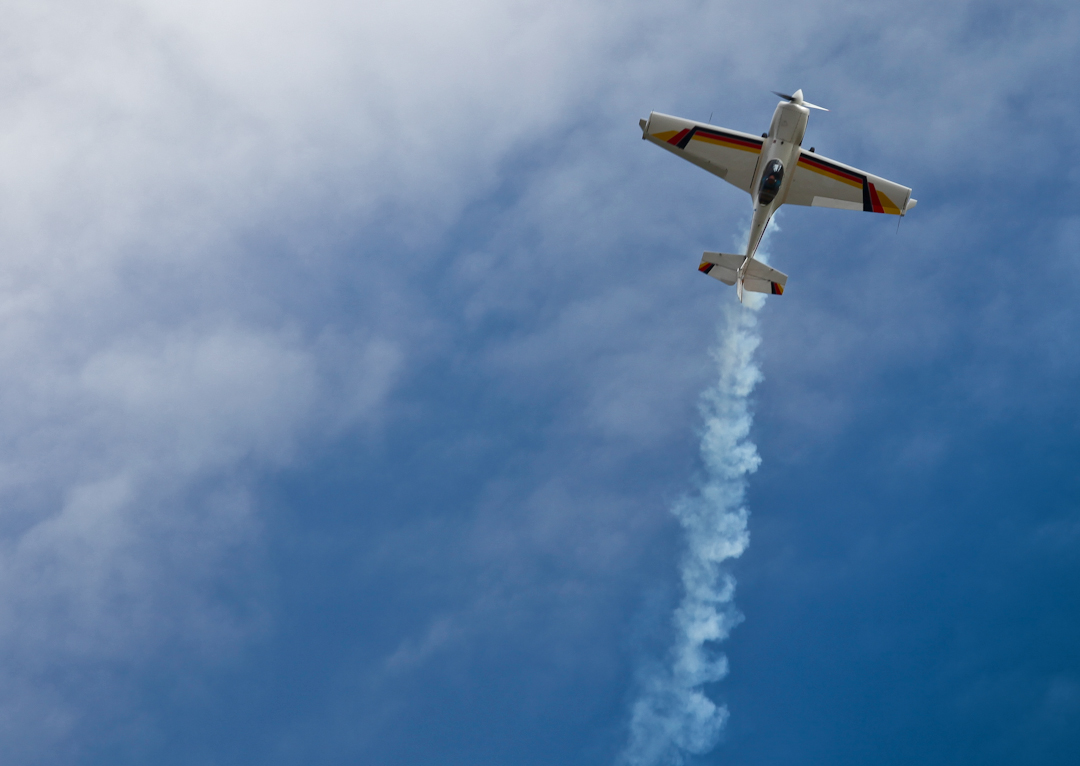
(678, 136)
(875, 201)
(728, 139)
(829, 168)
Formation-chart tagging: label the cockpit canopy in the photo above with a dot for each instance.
(771, 180)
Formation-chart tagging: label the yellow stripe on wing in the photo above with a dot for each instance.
(815, 168)
(887, 204)
(726, 142)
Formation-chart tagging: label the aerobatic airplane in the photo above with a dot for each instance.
(774, 170)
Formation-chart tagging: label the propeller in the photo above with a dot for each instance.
(796, 98)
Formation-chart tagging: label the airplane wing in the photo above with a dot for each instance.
(726, 153)
(821, 182)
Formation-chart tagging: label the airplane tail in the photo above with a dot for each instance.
(752, 276)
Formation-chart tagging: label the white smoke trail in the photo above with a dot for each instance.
(673, 717)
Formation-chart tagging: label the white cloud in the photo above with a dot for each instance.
(179, 309)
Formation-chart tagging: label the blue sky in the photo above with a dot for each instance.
(351, 361)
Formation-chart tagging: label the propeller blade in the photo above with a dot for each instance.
(799, 101)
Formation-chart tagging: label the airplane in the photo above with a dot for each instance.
(774, 169)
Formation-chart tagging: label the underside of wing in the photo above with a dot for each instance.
(726, 153)
(821, 182)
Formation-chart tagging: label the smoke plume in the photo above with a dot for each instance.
(673, 716)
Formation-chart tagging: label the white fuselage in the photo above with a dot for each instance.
(782, 143)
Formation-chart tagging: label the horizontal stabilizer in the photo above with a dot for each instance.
(758, 278)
